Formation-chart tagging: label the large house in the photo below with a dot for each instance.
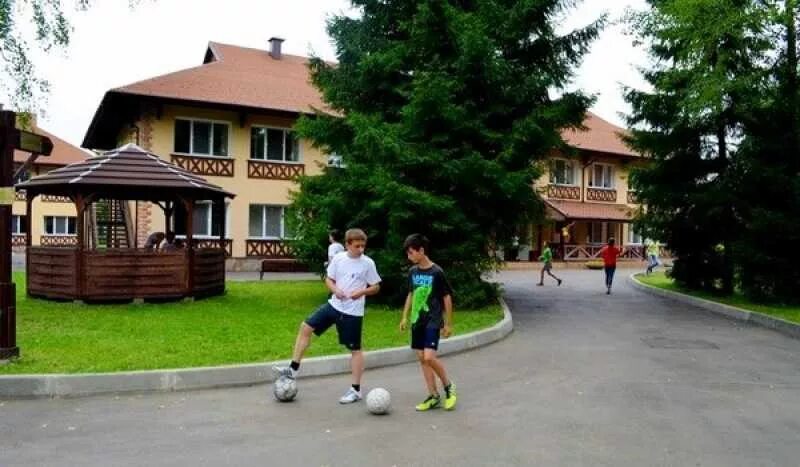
(230, 120)
(588, 199)
(55, 217)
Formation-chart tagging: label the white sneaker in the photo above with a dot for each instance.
(284, 371)
(350, 396)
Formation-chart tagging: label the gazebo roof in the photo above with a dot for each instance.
(128, 172)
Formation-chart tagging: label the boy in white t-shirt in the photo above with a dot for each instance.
(335, 247)
(351, 276)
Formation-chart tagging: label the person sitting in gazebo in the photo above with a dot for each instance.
(170, 242)
(154, 240)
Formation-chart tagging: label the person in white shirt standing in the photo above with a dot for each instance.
(335, 247)
(351, 276)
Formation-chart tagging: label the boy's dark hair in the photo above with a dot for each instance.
(611, 241)
(417, 242)
(336, 235)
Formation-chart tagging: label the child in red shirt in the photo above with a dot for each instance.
(610, 253)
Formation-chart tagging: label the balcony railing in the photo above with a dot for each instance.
(564, 192)
(205, 165)
(272, 170)
(20, 195)
(632, 198)
(587, 251)
(605, 195)
(214, 243)
(18, 240)
(269, 249)
(58, 240)
(55, 199)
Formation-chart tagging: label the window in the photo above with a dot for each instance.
(201, 137)
(601, 176)
(59, 225)
(268, 222)
(205, 221)
(562, 172)
(274, 145)
(335, 160)
(18, 225)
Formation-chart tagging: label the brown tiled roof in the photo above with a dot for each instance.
(251, 78)
(63, 152)
(599, 135)
(130, 170)
(576, 210)
(239, 76)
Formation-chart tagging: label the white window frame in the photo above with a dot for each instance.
(191, 152)
(17, 223)
(285, 131)
(264, 222)
(570, 163)
(209, 223)
(608, 172)
(66, 224)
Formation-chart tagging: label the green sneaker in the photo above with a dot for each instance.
(430, 403)
(450, 396)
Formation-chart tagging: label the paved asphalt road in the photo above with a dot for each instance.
(585, 379)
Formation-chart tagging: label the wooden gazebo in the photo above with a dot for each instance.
(90, 271)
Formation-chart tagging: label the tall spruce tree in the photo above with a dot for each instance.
(770, 193)
(706, 76)
(441, 111)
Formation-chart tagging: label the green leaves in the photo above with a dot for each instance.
(718, 127)
(444, 112)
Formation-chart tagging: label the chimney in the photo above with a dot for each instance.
(275, 47)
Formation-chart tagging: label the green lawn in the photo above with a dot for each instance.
(253, 322)
(789, 313)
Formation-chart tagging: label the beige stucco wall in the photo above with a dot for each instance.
(157, 135)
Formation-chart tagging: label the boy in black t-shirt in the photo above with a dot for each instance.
(430, 301)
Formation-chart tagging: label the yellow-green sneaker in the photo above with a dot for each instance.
(431, 402)
(450, 396)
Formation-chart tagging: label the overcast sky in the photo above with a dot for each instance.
(113, 46)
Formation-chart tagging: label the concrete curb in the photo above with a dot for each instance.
(782, 326)
(66, 385)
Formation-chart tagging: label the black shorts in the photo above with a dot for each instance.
(347, 326)
(424, 337)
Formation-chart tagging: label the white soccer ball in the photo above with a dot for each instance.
(285, 389)
(379, 401)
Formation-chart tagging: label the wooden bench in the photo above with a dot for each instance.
(280, 265)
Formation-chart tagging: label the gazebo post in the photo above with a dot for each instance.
(136, 225)
(80, 207)
(169, 207)
(189, 205)
(28, 233)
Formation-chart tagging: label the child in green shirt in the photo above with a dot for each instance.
(547, 259)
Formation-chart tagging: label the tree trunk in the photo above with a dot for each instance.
(792, 79)
(727, 254)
